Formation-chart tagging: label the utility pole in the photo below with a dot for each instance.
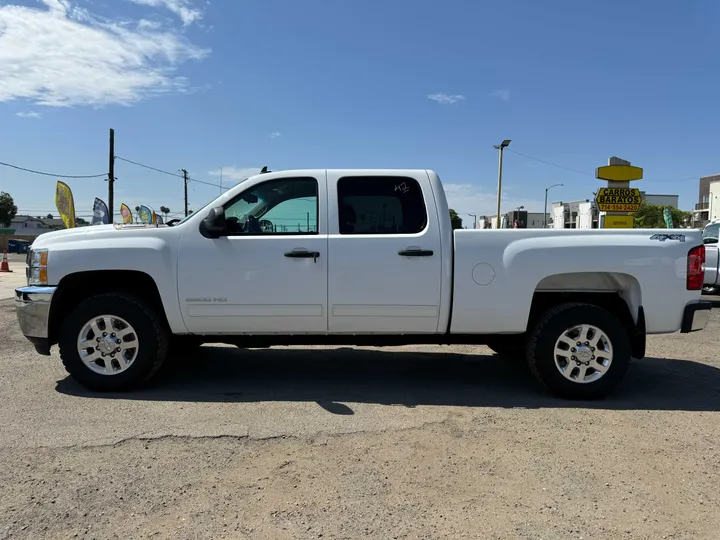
(545, 211)
(500, 147)
(185, 181)
(111, 177)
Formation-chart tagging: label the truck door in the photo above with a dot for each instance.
(385, 263)
(268, 272)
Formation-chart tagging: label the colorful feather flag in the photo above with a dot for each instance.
(145, 214)
(667, 216)
(100, 212)
(65, 204)
(126, 213)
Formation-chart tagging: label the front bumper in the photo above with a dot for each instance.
(695, 316)
(32, 305)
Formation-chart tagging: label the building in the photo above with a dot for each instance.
(708, 206)
(28, 226)
(702, 214)
(714, 201)
(574, 215)
(526, 220)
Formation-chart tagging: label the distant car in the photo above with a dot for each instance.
(711, 234)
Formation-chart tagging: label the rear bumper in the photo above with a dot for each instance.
(32, 306)
(695, 316)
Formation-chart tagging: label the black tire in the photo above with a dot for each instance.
(152, 335)
(541, 350)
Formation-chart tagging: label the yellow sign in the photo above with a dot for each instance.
(619, 222)
(618, 199)
(619, 173)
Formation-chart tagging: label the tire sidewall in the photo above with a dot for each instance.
(147, 329)
(541, 351)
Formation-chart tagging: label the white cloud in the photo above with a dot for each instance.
(501, 94)
(466, 198)
(182, 8)
(64, 56)
(233, 173)
(275, 134)
(31, 114)
(446, 99)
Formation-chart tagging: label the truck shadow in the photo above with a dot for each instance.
(334, 378)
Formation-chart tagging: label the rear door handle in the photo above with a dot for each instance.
(416, 253)
(303, 255)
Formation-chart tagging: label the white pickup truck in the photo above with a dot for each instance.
(356, 257)
(711, 234)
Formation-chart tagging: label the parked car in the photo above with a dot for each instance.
(711, 234)
(357, 257)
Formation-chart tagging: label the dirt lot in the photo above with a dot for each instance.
(424, 442)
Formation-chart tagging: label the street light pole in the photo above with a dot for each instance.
(500, 147)
(474, 216)
(545, 213)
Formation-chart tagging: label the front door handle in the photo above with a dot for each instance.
(303, 255)
(416, 253)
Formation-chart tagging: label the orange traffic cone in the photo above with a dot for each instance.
(5, 267)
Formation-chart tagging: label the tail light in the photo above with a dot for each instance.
(696, 268)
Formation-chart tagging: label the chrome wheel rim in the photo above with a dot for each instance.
(583, 353)
(108, 345)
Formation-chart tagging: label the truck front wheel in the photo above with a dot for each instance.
(113, 342)
(579, 351)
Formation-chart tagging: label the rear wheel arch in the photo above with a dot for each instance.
(615, 302)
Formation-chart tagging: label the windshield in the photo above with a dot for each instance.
(712, 231)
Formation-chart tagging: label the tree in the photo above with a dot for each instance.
(80, 222)
(49, 216)
(455, 220)
(650, 216)
(165, 211)
(8, 210)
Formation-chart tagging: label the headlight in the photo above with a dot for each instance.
(37, 272)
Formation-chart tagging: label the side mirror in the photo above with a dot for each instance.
(214, 224)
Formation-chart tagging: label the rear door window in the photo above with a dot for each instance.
(380, 205)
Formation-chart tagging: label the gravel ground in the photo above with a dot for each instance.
(411, 442)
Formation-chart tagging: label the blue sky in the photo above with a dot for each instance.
(345, 84)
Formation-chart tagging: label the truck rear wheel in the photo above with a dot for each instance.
(579, 351)
(113, 342)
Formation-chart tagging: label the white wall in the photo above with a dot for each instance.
(558, 213)
(714, 201)
(535, 220)
(584, 218)
(662, 200)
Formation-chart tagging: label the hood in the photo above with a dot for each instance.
(94, 232)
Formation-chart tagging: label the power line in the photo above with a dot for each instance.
(149, 167)
(685, 179)
(548, 162)
(170, 173)
(52, 174)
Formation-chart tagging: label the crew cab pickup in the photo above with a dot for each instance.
(356, 257)
(711, 234)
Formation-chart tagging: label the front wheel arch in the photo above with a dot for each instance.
(74, 288)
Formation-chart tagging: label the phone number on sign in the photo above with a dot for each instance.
(618, 207)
